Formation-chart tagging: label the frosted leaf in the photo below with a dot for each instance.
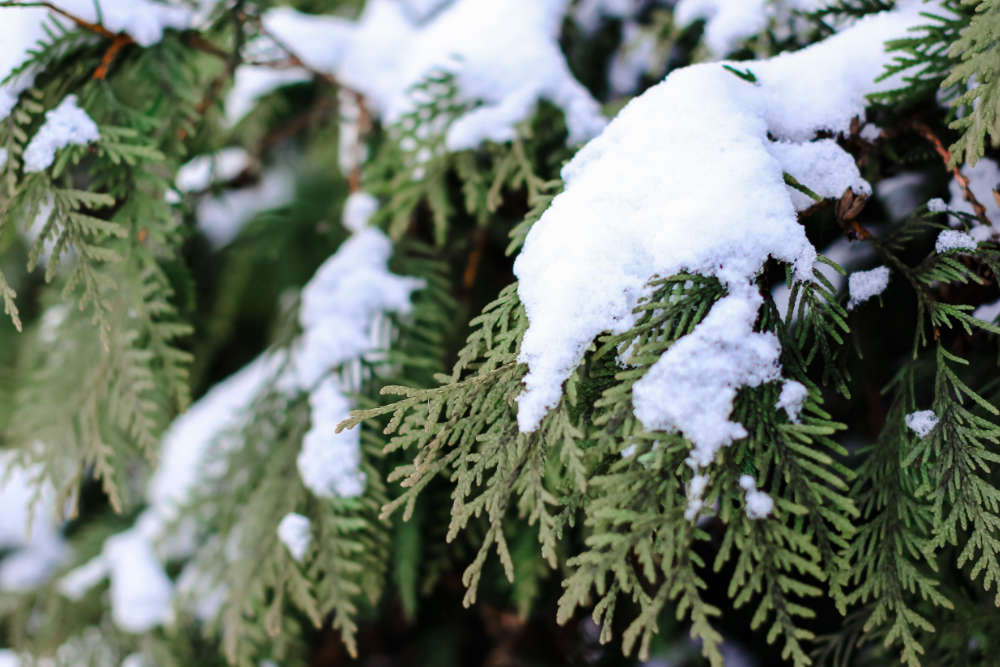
(921, 422)
(863, 285)
(65, 125)
(950, 240)
(295, 532)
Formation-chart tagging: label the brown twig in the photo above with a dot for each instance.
(925, 131)
(117, 44)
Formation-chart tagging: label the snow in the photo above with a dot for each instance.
(29, 529)
(822, 166)
(221, 216)
(65, 125)
(863, 285)
(870, 132)
(921, 422)
(903, 193)
(589, 13)
(342, 301)
(140, 590)
(937, 205)
(949, 240)
(130, 559)
(20, 29)
(503, 54)
(321, 42)
(988, 312)
(983, 177)
(251, 82)
(8, 658)
(143, 20)
(201, 172)
(692, 387)
(696, 496)
(793, 395)
(358, 210)
(730, 23)
(758, 503)
(638, 55)
(686, 178)
(295, 532)
(341, 308)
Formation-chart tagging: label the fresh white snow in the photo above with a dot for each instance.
(687, 178)
(221, 216)
(295, 532)
(792, 397)
(863, 285)
(65, 125)
(502, 53)
(358, 210)
(29, 528)
(950, 240)
(201, 172)
(758, 503)
(921, 422)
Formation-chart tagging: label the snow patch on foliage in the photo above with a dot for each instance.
(29, 530)
(295, 532)
(358, 210)
(143, 20)
(65, 125)
(250, 83)
(921, 422)
(984, 177)
(134, 557)
(502, 53)
(342, 307)
(201, 172)
(988, 312)
(863, 285)
(937, 205)
(222, 216)
(758, 503)
(686, 178)
(793, 396)
(950, 240)
(729, 23)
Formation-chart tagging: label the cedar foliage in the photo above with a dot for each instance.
(565, 545)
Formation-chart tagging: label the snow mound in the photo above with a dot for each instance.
(504, 55)
(921, 422)
(65, 125)
(295, 532)
(688, 177)
(863, 285)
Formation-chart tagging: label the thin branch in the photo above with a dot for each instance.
(925, 131)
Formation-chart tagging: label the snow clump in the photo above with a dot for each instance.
(863, 285)
(65, 125)
(295, 532)
(921, 422)
(759, 504)
(949, 240)
(643, 199)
